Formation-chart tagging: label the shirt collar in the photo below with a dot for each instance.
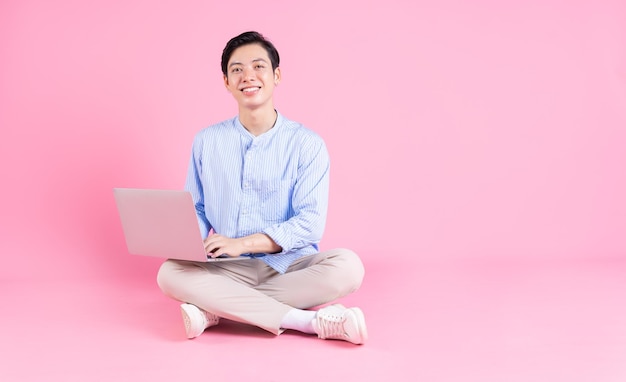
(277, 125)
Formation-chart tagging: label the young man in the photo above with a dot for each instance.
(260, 183)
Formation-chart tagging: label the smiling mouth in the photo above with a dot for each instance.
(251, 89)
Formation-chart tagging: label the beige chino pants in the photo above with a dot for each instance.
(254, 293)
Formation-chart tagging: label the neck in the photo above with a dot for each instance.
(258, 121)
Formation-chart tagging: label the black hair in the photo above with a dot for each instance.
(247, 38)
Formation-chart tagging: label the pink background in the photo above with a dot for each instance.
(458, 130)
(455, 129)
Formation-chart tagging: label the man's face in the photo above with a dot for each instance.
(250, 77)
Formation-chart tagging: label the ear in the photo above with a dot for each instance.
(277, 76)
(226, 83)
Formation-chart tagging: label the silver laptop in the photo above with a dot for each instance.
(162, 223)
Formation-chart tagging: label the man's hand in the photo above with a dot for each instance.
(217, 245)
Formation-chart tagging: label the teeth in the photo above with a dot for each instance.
(250, 89)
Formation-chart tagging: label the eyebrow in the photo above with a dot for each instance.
(239, 63)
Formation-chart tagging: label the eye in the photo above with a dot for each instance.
(235, 70)
(259, 66)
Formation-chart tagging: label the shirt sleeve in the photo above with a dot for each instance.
(193, 184)
(309, 200)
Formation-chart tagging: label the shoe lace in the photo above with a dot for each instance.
(331, 326)
(211, 319)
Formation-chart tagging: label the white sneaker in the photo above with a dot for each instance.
(337, 322)
(197, 320)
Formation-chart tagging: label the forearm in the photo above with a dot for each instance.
(259, 243)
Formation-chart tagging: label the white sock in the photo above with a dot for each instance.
(300, 320)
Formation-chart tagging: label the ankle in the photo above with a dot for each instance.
(300, 320)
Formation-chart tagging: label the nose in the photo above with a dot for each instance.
(248, 73)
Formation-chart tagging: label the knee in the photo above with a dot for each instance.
(165, 275)
(352, 267)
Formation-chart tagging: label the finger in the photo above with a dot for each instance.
(212, 247)
(213, 241)
(210, 239)
(221, 251)
(207, 246)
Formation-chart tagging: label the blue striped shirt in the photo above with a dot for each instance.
(276, 183)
